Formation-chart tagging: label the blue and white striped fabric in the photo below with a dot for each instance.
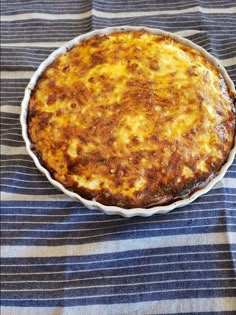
(61, 258)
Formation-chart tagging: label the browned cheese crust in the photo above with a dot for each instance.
(132, 119)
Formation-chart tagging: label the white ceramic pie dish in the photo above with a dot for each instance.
(92, 204)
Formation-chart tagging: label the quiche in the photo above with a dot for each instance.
(132, 119)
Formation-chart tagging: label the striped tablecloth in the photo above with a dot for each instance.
(61, 258)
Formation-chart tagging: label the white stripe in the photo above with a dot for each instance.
(5, 196)
(112, 15)
(116, 285)
(10, 109)
(226, 183)
(186, 33)
(228, 62)
(118, 245)
(16, 74)
(13, 150)
(198, 305)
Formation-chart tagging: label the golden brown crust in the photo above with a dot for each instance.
(132, 119)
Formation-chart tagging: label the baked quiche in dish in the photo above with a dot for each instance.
(131, 120)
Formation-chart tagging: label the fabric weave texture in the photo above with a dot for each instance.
(59, 258)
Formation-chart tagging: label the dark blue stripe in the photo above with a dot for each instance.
(72, 207)
(109, 6)
(19, 189)
(35, 239)
(60, 31)
(81, 6)
(138, 297)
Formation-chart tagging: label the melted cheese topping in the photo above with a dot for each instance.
(132, 119)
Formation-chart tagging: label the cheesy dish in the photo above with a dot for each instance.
(132, 119)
